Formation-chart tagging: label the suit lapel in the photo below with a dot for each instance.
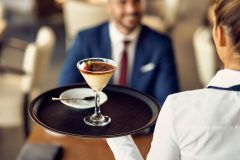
(139, 57)
(106, 50)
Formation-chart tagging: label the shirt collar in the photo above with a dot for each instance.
(225, 78)
(117, 36)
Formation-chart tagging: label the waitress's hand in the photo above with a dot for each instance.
(124, 148)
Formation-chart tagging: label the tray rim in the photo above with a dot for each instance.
(79, 85)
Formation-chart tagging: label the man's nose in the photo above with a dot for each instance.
(131, 7)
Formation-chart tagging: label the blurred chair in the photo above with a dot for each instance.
(206, 57)
(166, 10)
(3, 26)
(12, 95)
(45, 42)
(3, 23)
(79, 15)
(24, 7)
(2, 10)
(19, 85)
(205, 54)
(155, 23)
(170, 11)
(20, 12)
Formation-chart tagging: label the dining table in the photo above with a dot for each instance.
(83, 148)
(3, 27)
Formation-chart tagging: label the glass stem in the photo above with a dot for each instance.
(97, 105)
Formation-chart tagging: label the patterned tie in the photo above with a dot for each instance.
(124, 65)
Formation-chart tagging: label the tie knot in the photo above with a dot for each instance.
(126, 42)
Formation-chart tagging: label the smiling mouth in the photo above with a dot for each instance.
(132, 17)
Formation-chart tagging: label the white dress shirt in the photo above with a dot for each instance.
(117, 46)
(202, 124)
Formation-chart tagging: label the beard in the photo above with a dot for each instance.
(130, 21)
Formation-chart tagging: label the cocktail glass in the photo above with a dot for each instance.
(97, 72)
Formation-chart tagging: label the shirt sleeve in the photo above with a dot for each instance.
(124, 148)
(164, 145)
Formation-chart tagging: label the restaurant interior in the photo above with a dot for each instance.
(47, 29)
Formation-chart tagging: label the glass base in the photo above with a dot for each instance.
(94, 120)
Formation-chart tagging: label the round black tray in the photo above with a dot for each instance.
(129, 109)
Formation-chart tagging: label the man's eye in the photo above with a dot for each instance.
(136, 1)
(122, 2)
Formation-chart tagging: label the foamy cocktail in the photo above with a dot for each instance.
(97, 72)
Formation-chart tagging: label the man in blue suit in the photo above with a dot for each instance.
(151, 66)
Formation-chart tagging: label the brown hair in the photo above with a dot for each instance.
(227, 13)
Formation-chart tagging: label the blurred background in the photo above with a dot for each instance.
(36, 34)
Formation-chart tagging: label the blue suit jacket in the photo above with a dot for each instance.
(152, 47)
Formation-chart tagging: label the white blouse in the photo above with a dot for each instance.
(202, 124)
